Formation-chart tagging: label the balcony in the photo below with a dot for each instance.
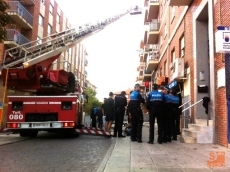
(180, 2)
(147, 76)
(139, 78)
(152, 61)
(28, 2)
(20, 15)
(15, 38)
(86, 62)
(154, 6)
(153, 33)
(85, 84)
(86, 73)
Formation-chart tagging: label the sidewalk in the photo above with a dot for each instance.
(7, 137)
(128, 156)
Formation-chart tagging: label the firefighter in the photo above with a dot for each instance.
(136, 113)
(175, 115)
(120, 104)
(167, 122)
(155, 105)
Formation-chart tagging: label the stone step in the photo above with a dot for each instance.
(196, 127)
(203, 122)
(190, 133)
(187, 139)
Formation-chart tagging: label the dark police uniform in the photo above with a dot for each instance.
(176, 116)
(155, 104)
(120, 103)
(168, 114)
(137, 116)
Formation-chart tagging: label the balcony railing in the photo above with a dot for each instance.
(147, 72)
(86, 62)
(154, 1)
(153, 57)
(86, 73)
(18, 8)
(154, 25)
(17, 37)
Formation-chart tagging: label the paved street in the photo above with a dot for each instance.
(54, 152)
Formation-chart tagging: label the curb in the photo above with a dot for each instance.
(103, 164)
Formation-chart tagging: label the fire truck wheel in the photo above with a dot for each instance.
(71, 83)
(24, 134)
(33, 134)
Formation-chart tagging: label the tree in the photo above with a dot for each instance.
(4, 19)
(92, 100)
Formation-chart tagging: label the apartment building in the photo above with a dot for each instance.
(178, 50)
(35, 19)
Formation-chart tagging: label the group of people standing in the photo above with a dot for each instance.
(162, 105)
(114, 109)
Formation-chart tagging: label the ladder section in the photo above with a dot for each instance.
(36, 51)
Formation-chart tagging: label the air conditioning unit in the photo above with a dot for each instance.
(178, 68)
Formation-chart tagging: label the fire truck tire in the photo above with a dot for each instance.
(33, 134)
(71, 83)
(24, 134)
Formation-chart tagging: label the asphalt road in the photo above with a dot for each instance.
(52, 152)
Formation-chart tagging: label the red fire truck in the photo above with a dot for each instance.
(55, 100)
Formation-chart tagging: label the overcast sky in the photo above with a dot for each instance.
(84, 11)
(112, 53)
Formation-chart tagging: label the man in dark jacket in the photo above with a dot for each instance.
(136, 113)
(120, 103)
(155, 105)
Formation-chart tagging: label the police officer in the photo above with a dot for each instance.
(136, 113)
(168, 109)
(120, 104)
(154, 104)
(175, 115)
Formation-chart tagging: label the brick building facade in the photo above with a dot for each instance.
(184, 32)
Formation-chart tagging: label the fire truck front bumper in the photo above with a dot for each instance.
(41, 125)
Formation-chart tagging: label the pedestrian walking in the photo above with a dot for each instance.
(120, 104)
(109, 111)
(154, 104)
(136, 113)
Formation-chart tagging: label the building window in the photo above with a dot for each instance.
(51, 9)
(58, 10)
(165, 68)
(39, 40)
(52, 2)
(43, 1)
(161, 41)
(49, 29)
(165, 30)
(58, 18)
(173, 55)
(161, 71)
(182, 46)
(41, 20)
(173, 11)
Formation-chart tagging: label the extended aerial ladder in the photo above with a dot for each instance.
(33, 60)
(27, 67)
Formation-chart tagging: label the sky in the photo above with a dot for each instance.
(113, 55)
